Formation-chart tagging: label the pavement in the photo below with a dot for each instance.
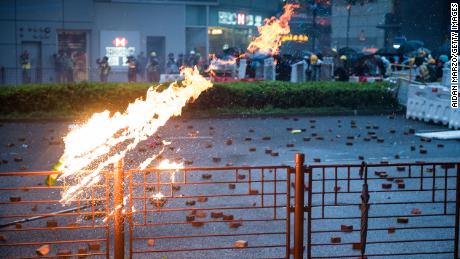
(240, 142)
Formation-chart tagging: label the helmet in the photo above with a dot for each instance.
(192, 52)
(343, 57)
(225, 47)
(313, 59)
(443, 58)
(153, 54)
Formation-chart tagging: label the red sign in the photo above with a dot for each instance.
(120, 42)
(241, 20)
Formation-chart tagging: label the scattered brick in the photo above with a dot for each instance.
(336, 240)
(51, 224)
(386, 185)
(43, 250)
(200, 214)
(202, 199)
(356, 246)
(190, 203)
(231, 186)
(216, 215)
(235, 224)
(15, 199)
(241, 176)
(391, 230)
(197, 223)
(206, 176)
(227, 217)
(190, 218)
(346, 228)
(402, 220)
(64, 252)
(151, 242)
(241, 244)
(253, 192)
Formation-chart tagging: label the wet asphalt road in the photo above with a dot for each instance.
(38, 147)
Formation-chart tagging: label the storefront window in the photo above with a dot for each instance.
(232, 37)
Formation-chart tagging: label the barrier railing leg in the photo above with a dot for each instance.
(118, 226)
(457, 213)
(309, 202)
(299, 206)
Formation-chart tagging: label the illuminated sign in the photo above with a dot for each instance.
(118, 45)
(120, 42)
(298, 38)
(243, 19)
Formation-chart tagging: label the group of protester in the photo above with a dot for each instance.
(70, 66)
(142, 68)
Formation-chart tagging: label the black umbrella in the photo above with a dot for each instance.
(410, 46)
(388, 51)
(347, 51)
(364, 209)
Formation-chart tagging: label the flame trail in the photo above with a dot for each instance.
(270, 34)
(105, 139)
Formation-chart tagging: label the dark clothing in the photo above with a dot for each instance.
(132, 70)
(104, 69)
(341, 74)
(153, 70)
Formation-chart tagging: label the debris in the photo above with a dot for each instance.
(64, 252)
(416, 211)
(296, 131)
(356, 246)
(227, 217)
(23, 167)
(43, 250)
(423, 151)
(51, 224)
(18, 225)
(402, 220)
(235, 224)
(346, 228)
(231, 186)
(188, 162)
(82, 250)
(18, 159)
(151, 242)
(401, 168)
(254, 192)
(241, 244)
(150, 188)
(94, 246)
(349, 143)
(229, 142)
(200, 214)
(2, 238)
(206, 176)
(268, 151)
(190, 203)
(336, 240)
(202, 199)
(440, 145)
(15, 199)
(190, 218)
(266, 138)
(241, 176)
(306, 139)
(386, 185)
(275, 154)
(247, 139)
(216, 159)
(176, 188)
(216, 215)
(197, 223)
(290, 145)
(316, 159)
(401, 185)
(391, 230)
(252, 149)
(361, 157)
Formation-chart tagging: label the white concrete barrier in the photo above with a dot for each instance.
(431, 103)
(298, 72)
(454, 119)
(269, 69)
(242, 68)
(170, 78)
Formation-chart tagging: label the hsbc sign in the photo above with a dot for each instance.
(120, 42)
(118, 45)
(241, 19)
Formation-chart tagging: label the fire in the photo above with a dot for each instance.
(105, 139)
(217, 64)
(271, 33)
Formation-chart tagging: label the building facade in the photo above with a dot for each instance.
(91, 29)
